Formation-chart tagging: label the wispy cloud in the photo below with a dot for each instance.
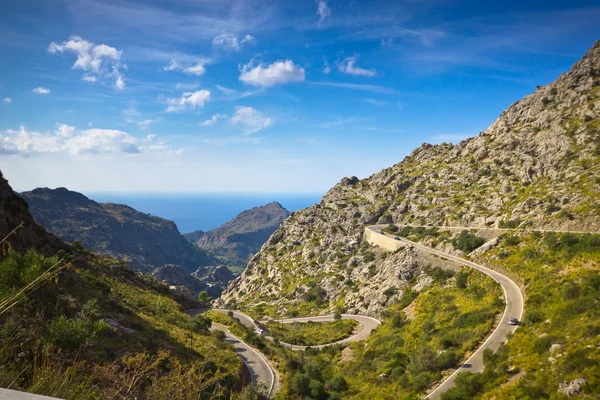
(340, 121)
(323, 11)
(355, 86)
(212, 120)
(348, 66)
(250, 120)
(229, 41)
(7, 100)
(376, 102)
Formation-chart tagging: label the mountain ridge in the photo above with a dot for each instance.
(536, 165)
(144, 240)
(236, 241)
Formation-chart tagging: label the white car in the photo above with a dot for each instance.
(259, 331)
(513, 321)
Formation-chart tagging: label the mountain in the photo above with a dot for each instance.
(212, 279)
(143, 240)
(74, 324)
(537, 166)
(235, 242)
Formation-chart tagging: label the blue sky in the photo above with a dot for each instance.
(261, 96)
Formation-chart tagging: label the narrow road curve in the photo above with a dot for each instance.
(261, 372)
(512, 297)
(366, 326)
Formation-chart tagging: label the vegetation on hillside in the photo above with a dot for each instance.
(311, 333)
(413, 348)
(99, 330)
(558, 339)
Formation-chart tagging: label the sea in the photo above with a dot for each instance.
(192, 212)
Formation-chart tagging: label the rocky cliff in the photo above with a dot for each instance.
(537, 165)
(115, 230)
(236, 241)
(25, 233)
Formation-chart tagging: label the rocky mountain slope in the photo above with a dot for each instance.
(235, 242)
(212, 279)
(537, 165)
(143, 240)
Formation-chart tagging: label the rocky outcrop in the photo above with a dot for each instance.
(143, 240)
(573, 388)
(25, 233)
(236, 241)
(536, 165)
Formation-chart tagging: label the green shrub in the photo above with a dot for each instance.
(467, 242)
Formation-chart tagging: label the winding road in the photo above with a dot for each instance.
(264, 375)
(512, 297)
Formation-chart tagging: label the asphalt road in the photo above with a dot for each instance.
(514, 309)
(260, 370)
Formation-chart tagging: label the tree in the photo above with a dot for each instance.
(201, 324)
(461, 280)
(203, 297)
(337, 384)
(337, 316)
(317, 390)
(300, 384)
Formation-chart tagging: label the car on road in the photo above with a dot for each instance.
(513, 321)
(383, 233)
(396, 237)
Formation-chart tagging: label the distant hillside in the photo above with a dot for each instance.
(235, 242)
(143, 240)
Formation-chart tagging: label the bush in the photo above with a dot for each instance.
(512, 240)
(467, 242)
(510, 224)
(461, 280)
(337, 384)
(300, 384)
(369, 256)
(69, 334)
(316, 294)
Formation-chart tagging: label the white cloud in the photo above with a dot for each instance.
(348, 66)
(278, 73)
(197, 69)
(229, 41)
(67, 140)
(41, 90)
(119, 83)
(323, 11)
(91, 58)
(173, 66)
(213, 119)
(146, 123)
(188, 100)
(250, 120)
(376, 102)
(326, 67)
(7, 100)
(65, 130)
